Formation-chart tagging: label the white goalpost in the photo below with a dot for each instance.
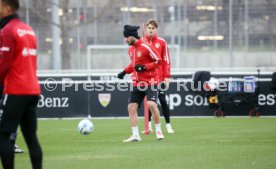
(174, 51)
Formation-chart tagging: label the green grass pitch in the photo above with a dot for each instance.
(198, 143)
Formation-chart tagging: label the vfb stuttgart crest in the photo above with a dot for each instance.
(104, 99)
(139, 54)
(157, 45)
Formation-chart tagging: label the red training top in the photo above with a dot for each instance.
(18, 55)
(161, 46)
(143, 53)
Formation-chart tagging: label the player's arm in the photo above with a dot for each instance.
(7, 50)
(166, 61)
(127, 70)
(156, 59)
(154, 56)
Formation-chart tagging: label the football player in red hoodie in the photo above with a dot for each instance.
(145, 77)
(163, 69)
(18, 56)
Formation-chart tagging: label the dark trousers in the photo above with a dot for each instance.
(164, 104)
(19, 110)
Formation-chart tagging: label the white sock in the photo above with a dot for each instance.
(168, 125)
(158, 127)
(135, 130)
(150, 128)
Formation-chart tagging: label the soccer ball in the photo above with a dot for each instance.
(85, 127)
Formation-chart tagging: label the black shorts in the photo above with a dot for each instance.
(15, 110)
(137, 95)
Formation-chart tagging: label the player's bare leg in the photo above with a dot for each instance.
(156, 116)
(133, 116)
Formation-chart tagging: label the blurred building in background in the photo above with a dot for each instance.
(206, 33)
